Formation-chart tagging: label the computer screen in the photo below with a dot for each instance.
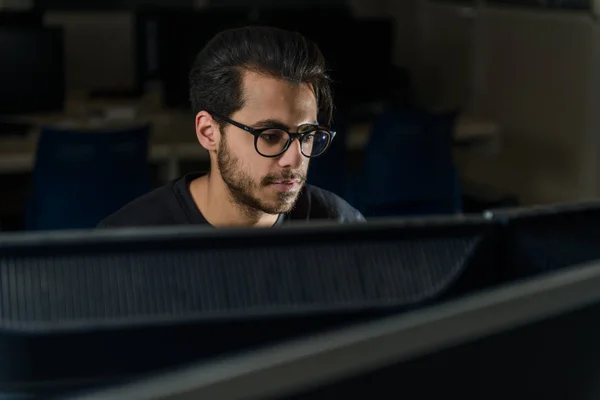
(32, 77)
(530, 340)
(21, 18)
(546, 238)
(168, 40)
(87, 308)
(363, 59)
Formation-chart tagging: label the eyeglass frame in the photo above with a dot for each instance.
(256, 132)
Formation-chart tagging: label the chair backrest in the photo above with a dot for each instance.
(81, 177)
(329, 171)
(409, 168)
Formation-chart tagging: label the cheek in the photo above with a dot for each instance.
(245, 155)
(305, 165)
(257, 166)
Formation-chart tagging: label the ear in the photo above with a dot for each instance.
(207, 131)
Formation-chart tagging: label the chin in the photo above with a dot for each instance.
(285, 208)
(280, 206)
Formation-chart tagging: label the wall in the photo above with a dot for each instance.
(406, 14)
(16, 4)
(536, 74)
(434, 41)
(445, 55)
(368, 8)
(104, 5)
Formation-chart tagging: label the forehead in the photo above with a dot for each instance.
(268, 97)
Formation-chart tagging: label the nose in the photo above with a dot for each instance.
(292, 158)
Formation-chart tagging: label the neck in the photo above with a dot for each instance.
(218, 207)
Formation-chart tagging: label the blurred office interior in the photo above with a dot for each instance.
(502, 96)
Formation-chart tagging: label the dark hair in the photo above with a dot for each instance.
(216, 82)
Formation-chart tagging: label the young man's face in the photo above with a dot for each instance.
(269, 185)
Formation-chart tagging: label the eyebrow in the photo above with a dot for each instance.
(274, 123)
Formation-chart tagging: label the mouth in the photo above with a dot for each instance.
(286, 186)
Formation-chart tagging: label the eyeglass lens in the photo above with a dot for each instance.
(273, 141)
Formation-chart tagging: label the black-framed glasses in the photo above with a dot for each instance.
(273, 142)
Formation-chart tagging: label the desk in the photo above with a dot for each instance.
(173, 139)
(467, 131)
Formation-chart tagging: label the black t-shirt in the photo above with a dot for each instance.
(172, 204)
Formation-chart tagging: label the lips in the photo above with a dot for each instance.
(286, 186)
(287, 183)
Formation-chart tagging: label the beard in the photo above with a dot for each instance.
(245, 190)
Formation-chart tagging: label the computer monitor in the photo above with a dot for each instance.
(530, 340)
(363, 60)
(32, 76)
(168, 40)
(546, 238)
(88, 308)
(11, 18)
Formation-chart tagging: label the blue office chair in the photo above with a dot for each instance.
(81, 177)
(330, 170)
(409, 168)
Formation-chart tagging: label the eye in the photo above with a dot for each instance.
(271, 142)
(307, 128)
(308, 138)
(273, 136)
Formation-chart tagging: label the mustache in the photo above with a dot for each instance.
(284, 176)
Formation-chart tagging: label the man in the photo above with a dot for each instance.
(259, 94)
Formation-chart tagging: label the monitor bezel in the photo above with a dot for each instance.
(150, 234)
(308, 362)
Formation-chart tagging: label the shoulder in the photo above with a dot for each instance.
(158, 207)
(317, 203)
